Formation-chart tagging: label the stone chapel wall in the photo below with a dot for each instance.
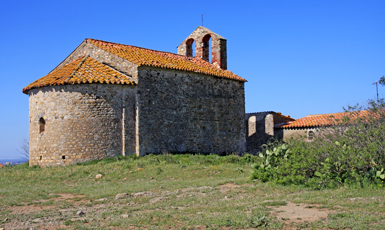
(82, 122)
(189, 112)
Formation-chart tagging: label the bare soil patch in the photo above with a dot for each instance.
(299, 213)
(226, 187)
(66, 196)
(74, 199)
(28, 209)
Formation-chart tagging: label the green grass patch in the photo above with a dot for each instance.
(275, 203)
(175, 191)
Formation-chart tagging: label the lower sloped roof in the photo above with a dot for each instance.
(328, 119)
(83, 70)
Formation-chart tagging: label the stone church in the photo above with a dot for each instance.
(107, 99)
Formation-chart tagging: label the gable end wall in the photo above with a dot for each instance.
(105, 57)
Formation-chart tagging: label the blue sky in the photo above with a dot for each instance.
(299, 57)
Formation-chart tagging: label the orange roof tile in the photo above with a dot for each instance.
(325, 119)
(147, 57)
(83, 70)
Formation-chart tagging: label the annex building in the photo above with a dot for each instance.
(262, 127)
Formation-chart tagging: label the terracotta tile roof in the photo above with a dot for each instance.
(325, 119)
(147, 57)
(83, 70)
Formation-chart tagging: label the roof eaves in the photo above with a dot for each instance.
(51, 80)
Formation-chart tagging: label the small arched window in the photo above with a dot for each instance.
(206, 40)
(190, 48)
(41, 125)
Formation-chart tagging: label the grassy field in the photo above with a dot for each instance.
(176, 192)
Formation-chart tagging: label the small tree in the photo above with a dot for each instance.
(382, 80)
(24, 149)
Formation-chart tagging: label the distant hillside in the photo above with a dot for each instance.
(12, 161)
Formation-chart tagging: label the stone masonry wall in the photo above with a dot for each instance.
(260, 129)
(297, 133)
(189, 112)
(82, 122)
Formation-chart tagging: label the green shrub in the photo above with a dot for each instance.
(352, 152)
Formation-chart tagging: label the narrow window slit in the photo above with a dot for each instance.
(41, 125)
